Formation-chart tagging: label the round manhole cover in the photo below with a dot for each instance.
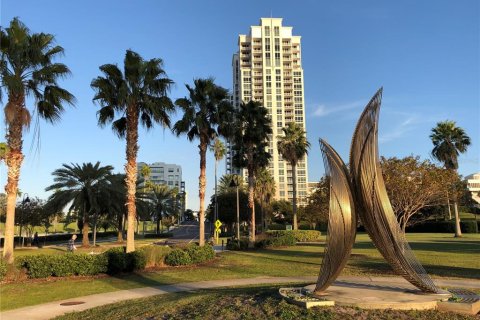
(71, 303)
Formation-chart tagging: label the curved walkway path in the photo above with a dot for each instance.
(56, 308)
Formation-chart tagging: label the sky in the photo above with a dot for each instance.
(425, 54)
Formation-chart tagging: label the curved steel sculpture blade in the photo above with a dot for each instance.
(341, 219)
(373, 204)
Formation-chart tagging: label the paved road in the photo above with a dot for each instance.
(188, 231)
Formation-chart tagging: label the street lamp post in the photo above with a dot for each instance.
(233, 183)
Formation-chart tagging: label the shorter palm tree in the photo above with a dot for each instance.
(219, 152)
(448, 142)
(225, 181)
(252, 127)
(162, 198)
(293, 146)
(265, 191)
(81, 186)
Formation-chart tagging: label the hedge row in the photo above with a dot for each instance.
(43, 265)
(445, 227)
(54, 237)
(299, 235)
(192, 254)
(158, 236)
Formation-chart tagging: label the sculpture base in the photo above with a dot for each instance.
(380, 294)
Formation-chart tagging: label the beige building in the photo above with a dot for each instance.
(268, 68)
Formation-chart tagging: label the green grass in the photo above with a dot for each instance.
(441, 254)
(258, 302)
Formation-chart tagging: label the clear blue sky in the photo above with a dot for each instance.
(425, 53)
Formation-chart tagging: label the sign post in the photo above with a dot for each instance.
(218, 224)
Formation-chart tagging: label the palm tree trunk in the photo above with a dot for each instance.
(13, 160)
(85, 241)
(294, 180)
(131, 173)
(251, 203)
(201, 189)
(158, 223)
(458, 230)
(120, 228)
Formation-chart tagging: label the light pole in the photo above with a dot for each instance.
(233, 183)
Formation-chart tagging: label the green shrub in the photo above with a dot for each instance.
(63, 265)
(235, 245)
(287, 239)
(155, 255)
(200, 254)
(444, 227)
(37, 266)
(158, 236)
(469, 226)
(3, 269)
(116, 258)
(276, 226)
(178, 257)
(136, 260)
(299, 235)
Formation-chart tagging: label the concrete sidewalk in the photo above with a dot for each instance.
(53, 309)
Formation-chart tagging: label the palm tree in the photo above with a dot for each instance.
(137, 94)
(146, 172)
(264, 190)
(207, 113)
(219, 152)
(448, 142)
(293, 146)
(161, 196)
(27, 69)
(81, 186)
(225, 181)
(252, 128)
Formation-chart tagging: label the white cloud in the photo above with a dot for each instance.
(323, 110)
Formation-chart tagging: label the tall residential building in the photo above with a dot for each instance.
(268, 68)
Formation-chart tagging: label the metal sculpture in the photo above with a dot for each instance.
(371, 202)
(341, 219)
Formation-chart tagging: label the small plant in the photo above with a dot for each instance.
(3, 269)
(178, 257)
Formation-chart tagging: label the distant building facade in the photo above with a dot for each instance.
(166, 174)
(473, 185)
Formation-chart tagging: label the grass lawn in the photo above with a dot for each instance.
(441, 254)
(259, 302)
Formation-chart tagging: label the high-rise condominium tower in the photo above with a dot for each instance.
(268, 68)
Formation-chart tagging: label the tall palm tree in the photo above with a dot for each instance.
(252, 128)
(207, 113)
(293, 146)
(219, 152)
(81, 186)
(27, 69)
(448, 142)
(139, 93)
(264, 190)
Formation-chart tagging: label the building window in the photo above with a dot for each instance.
(267, 31)
(276, 31)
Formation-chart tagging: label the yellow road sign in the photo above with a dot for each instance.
(218, 224)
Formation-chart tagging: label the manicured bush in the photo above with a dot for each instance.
(444, 227)
(158, 236)
(155, 255)
(287, 239)
(235, 245)
(3, 269)
(200, 254)
(116, 258)
(62, 265)
(469, 226)
(136, 260)
(37, 266)
(299, 235)
(276, 226)
(178, 257)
